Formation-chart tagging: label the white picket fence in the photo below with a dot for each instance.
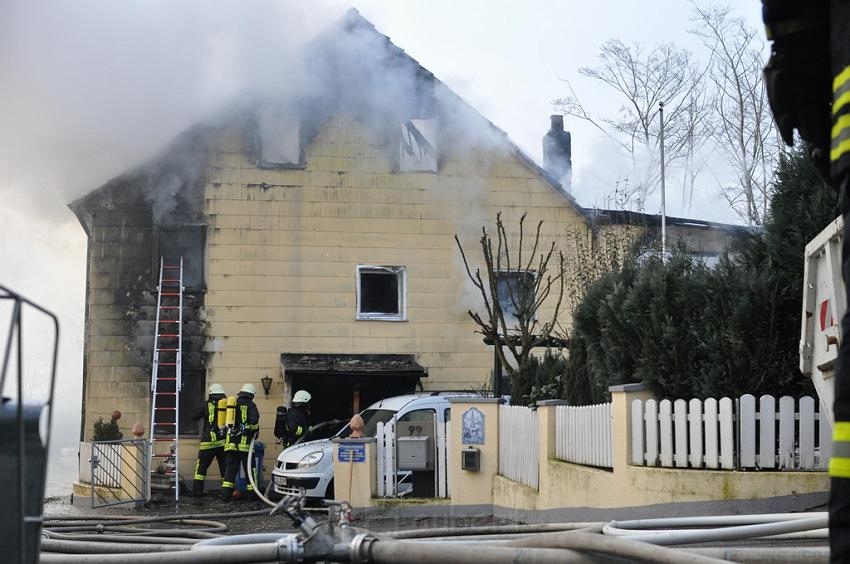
(584, 435)
(518, 444)
(730, 435)
(386, 459)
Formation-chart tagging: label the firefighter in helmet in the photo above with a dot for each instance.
(808, 85)
(297, 418)
(243, 426)
(211, 445)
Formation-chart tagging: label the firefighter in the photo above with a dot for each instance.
(244, 425)
(212, 438)
(808, 85)
(297, 418)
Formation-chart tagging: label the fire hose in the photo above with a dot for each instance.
(198, 538)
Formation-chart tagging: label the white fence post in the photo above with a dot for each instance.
(638, 445)
(727, 433)
(825, 440)
(665, 412)
(712, 444)
(807, 433)
(767, 432)
(651, 419)
(786, 432)
(747, 428)
(695, 428)
(680, 433)
(379, 454)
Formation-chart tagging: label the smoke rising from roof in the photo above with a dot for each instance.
(92, 90)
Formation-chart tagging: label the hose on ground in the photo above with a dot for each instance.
(613, 546)
(637, 530)
(486, 530)
(136, 539)
(250, 473)
(268, 552)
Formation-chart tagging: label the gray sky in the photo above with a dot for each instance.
(91, 88)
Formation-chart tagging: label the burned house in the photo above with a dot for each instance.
(316, 235)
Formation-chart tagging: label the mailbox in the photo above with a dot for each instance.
(470, 459)
(415, 453)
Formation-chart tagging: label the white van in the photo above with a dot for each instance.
(310, 465)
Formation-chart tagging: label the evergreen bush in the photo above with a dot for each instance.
(106, 431)
(688, 330)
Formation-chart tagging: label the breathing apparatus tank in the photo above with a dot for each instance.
(221, 413)
(230, 420)
(280, 422)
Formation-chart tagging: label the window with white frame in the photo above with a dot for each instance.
(382, 292)
(515, 291)
(418, 151)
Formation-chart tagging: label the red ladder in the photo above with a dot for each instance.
(166, 379)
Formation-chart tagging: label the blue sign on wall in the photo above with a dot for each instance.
(352, 452)
(472, 427)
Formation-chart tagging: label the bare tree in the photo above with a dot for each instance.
(643, 78)
(743, 130)
(515, 284)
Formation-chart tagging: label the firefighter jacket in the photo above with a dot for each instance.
(211, 435)
(297, 422)
(247, 424)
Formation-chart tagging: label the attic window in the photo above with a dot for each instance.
(279, 137)
(418, 151)
(381, 293)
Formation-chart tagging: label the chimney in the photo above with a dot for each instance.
(557, 151)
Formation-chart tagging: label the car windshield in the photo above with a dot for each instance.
(371, 418)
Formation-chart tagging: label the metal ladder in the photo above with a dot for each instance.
(166, 379)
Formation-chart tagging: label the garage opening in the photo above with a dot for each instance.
(342, 385)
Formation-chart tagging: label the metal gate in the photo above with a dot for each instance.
(119, 472)
(395, 483)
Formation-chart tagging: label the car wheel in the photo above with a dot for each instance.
(329, 493)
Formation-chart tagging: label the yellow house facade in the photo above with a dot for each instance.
(333, 269)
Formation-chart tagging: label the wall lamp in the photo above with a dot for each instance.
(267, 384)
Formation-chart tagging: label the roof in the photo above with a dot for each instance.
(353, 364)
(628, 217)
(353, 19)
(392, 58)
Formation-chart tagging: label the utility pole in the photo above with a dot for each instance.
(663, 189)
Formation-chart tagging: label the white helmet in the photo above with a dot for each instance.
(249, 388)
(301, 396)
(216, 389)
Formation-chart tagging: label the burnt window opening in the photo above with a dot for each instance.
(381, 293)
(188, 241)
(192, 402)
(515, 291)
(278, 138)
(418, 150)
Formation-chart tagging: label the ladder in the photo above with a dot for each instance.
(166, 380)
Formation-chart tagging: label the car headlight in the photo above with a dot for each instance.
(311, 459)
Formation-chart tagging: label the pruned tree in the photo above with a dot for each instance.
(642, 78)
(742, 127)
(516, 282)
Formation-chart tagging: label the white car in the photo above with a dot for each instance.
(309, 466)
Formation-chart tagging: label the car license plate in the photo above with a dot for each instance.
(279, 481)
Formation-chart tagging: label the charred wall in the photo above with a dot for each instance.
(127, 234)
